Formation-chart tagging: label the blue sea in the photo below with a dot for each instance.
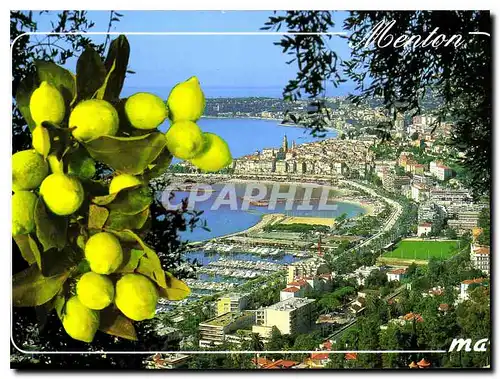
(245, 136)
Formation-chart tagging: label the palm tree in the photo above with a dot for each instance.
(256, 345)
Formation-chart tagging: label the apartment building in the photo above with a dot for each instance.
(441, 171)
(393, 183)
(234, 302)
(293, 315)
(466, 221)
(466, 284)
(213, 332)
(431, 212)
(480, 257)
(309, 267)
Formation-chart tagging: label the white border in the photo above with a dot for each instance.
(194, 352)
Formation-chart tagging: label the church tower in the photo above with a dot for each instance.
(285, 144)
(293, 144)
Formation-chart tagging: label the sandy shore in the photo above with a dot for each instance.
(309, 221)
(339, 193)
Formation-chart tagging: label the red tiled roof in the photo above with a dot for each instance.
(262, 361)
(351, 356)
(319, 356)
(482, 250)
(291, 289)
(425, 224)
(436, 292)
(281, 363)
(413, 316)
(474, 281)
(398, 271)
(423, 363)
(443, 307)
(297, 283)
(327, 345)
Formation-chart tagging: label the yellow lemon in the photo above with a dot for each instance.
(104, 253)
(28, 170)
(145, 110)
(136, 296)
(80, 322)
(41, 140)
(93, 118)
(186, 101)
(23, 212)
(63, 194)
(215, 156)
(95, 291)
(81, 165)
(184, 139)
(122, 181)
(47, 104)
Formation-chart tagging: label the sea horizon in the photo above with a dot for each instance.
(221, 92)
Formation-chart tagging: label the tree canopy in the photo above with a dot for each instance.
(401, 77)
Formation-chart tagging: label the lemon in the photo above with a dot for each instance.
(63, 194)
(145, 110)
(95, 291)
(93, 118)
(186, 101)
(136, 296)
(81, 165)
(41, 140)
(28, 170)
(47, 104)
(55, 164)
(104, 253)
(215, 156)
(23, 210)
(184, 139)
(80, 322)
(122, 181)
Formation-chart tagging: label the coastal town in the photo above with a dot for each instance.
(310, 292)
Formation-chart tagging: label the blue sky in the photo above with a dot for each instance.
(218, 61)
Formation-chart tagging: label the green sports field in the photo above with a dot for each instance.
(423, 250)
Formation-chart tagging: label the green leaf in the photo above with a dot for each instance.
(130, 155)
(50, 229)
(59, 302)
(97, 216)
(29, 249)
(30, 288)
(118, 220)
(160, 165)
(176, 289)
(115, 324)
(83, 266)
(149, 268)
(23, 95)
(106, 199)
(55, 262)
(123, 236)
(132, 201)
(58, 77)
(90, 74)
(116, 66)
(95, 188)
(149, 264)
(130, 260)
